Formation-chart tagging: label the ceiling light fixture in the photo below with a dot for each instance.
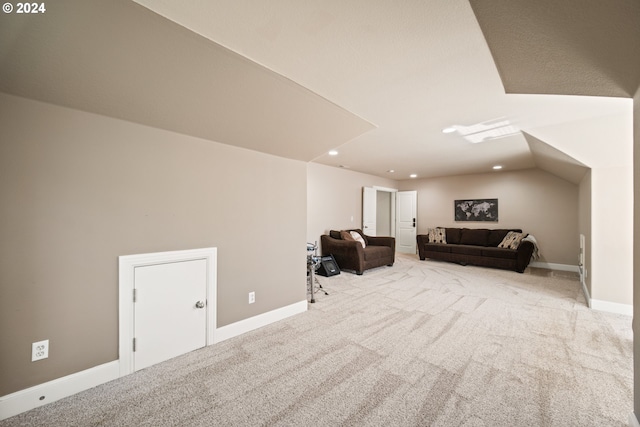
(497, 167)
(391, 171)
(486, 131)
(333, 153)
(413, 175)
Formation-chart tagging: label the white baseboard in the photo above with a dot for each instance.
(633, 421)
(554, 266)
(42, 394)
(611, 307)
(255, 322)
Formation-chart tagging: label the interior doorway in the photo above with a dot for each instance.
(385, 211)
(389, 212)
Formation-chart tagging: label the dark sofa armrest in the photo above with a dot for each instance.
(349, 254)
(525, 250)
(421, 240)
(382, 241)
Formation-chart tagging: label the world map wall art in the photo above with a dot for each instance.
(476, 210)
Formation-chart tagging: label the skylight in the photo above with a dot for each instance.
(486, 131)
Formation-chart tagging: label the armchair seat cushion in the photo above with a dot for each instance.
(372, 253)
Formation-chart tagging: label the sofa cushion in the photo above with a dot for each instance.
(453, 235)
(437, 247)
(467, 250)
(345, 235)
(376, 252)
(496, 237)
(337, 234)
(499, 253)
(477, 237)
(511, 240)
(437, 235)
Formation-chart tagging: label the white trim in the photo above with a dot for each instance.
(611, 307)
(633, 421)
(554, 266)
(600, 305)
(255, 322)
(25, 400)
(585, 291)
(127, 265)
(389, 190)
(30, 398)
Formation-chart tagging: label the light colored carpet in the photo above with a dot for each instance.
(422, 343)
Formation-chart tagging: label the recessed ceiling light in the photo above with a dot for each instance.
(449, 129)
(497, 167)
(391, 171)
(413, 175)
(333, 153)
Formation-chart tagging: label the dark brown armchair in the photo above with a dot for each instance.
(350, 255)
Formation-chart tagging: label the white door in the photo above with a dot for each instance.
(170, 318)
(406, 209)
(369, 207)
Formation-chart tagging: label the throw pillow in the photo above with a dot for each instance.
(358, 237)
(511, 240)
(437, 235)
(345, 235)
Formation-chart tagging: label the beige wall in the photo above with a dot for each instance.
(533, 200)
(77, 190)
(611, 235)
(334, 198)
(605, 145)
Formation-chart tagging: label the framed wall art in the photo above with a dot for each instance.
(476, 210)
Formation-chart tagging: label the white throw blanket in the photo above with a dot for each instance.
(536, 252)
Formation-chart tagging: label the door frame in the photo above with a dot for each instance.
(392, 219)
(126, 284)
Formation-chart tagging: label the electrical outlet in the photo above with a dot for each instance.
(39, 350)
(252, 297)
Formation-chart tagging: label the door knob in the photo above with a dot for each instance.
(200, 304)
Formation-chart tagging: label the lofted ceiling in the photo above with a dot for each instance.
(375, 80)
(585, 47)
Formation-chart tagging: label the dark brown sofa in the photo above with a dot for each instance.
(477, 247)
(350, 255)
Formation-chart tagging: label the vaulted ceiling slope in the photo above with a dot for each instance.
(571, 47)
(118, 59)
(378, 81)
